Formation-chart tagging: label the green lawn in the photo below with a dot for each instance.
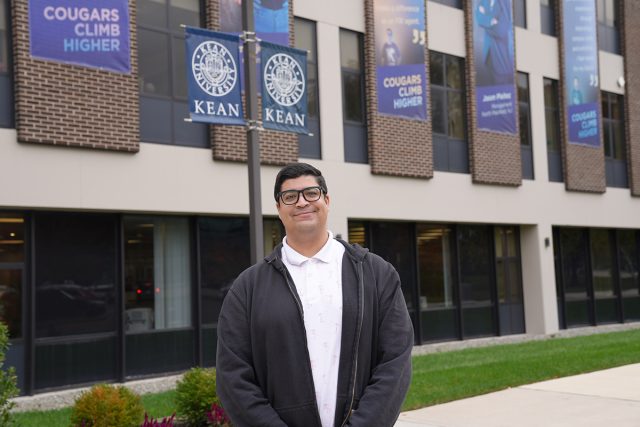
(443, 377)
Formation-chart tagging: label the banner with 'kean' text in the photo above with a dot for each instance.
(493, 51)
(401, 78)
(90, 33)
(213, 77)
(581, 71)
(284, 89)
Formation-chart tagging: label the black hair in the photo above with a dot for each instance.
(296, 170)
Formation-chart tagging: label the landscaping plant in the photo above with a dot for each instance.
(8, 381)
(217, 417)
(107, 406)
(150, 422)
(196, 394)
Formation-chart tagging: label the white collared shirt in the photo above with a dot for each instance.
(318, 281)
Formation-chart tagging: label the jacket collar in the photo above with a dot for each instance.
(355, 252)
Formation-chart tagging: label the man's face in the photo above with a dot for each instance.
(576, 84)
(303, 217)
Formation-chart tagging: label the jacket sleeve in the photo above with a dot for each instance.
(236, 386)
(382, 400)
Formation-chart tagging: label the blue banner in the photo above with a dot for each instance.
(581, 72)
(284, 91)
(91, 33)
(401, 77)
(213, 77)
(493, 52)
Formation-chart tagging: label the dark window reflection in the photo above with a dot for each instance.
(353, 110)
(224, 254)
(628, 261)
(11, 301)
(359, 233)
(11, 237)
(184, 12)
(574, 263)
(75, 274)
(602, 263)
(436, 273)
(474, 255)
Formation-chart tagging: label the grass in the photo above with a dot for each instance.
(157, 405)
(443, 377)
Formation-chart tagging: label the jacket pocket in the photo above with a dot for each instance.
(301, 415)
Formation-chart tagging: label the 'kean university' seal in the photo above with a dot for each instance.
(214, 68)
(284, 79)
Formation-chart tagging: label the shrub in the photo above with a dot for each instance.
(217, 417)
(8, 381)
(150, 422)
(196, 394)
(107, 406)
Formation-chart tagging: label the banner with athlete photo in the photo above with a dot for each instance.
(401, 76)
(493, 52)
(284, 91)
(213, 77)
(581, 72)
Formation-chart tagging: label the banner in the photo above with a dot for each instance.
(581, 72)
(493, 52)
(271, 24)
(400, 59)
(284, 91)
(213, 77)
(91, 33)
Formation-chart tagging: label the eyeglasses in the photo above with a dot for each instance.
(310, 194)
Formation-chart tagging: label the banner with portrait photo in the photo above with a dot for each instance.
(271, 24)
(91, 33)
(213, 77)
(401, 78)
(581, 72)
(493, 51)
(284, 88)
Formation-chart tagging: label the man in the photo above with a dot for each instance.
(317, 333)
(576, 94)
(390, 52)
(495, 17)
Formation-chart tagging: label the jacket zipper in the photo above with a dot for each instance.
(355, 373)
(284, 273)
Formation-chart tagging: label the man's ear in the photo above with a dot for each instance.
(278, 206)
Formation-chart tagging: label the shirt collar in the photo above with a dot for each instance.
(294, 258)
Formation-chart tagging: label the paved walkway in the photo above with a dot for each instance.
(608, 398)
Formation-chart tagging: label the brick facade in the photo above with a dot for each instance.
(584, 167)
(397, 146)
(69, 105)
(494, 158)
(230, 142)
(630, 34)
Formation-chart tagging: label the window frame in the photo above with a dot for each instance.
(611, 161)
(526, 105)
(11, 123)
(556, 113)
(609, 37)
(546, 13)
(520, 5)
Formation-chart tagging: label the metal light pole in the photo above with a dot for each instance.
(253, 135)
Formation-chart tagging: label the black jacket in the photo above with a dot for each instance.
(263, 371)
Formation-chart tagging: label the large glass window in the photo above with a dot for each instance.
(548, 17)
(520, 13)
(602, 276)
(524, 112)
(309, 146)
(615, 148)
(609, 25)
(552, 124)
(453, 3)
(575, 276)
(162, 72)
(448, 114)
(353, 97)
(509, 280)
(628, 262)
(6, 66)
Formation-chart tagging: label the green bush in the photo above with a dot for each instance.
(105, 405)
(196, 394)
(8, 381)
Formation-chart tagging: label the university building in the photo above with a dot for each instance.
(122, 226)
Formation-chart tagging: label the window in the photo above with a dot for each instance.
(520, 13)
(448, 113)
(157, 271)
(574, 277)
(452, 3)
(524, 112)
(162, 73)
(552, 123)
(309, 146)
(629, 272)
(615, 150)
(509, 280)
(6, 66)
(548, 17)
(609, 25)
(602, 272)
(353, 97)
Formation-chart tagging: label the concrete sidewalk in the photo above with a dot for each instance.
(604, 398)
